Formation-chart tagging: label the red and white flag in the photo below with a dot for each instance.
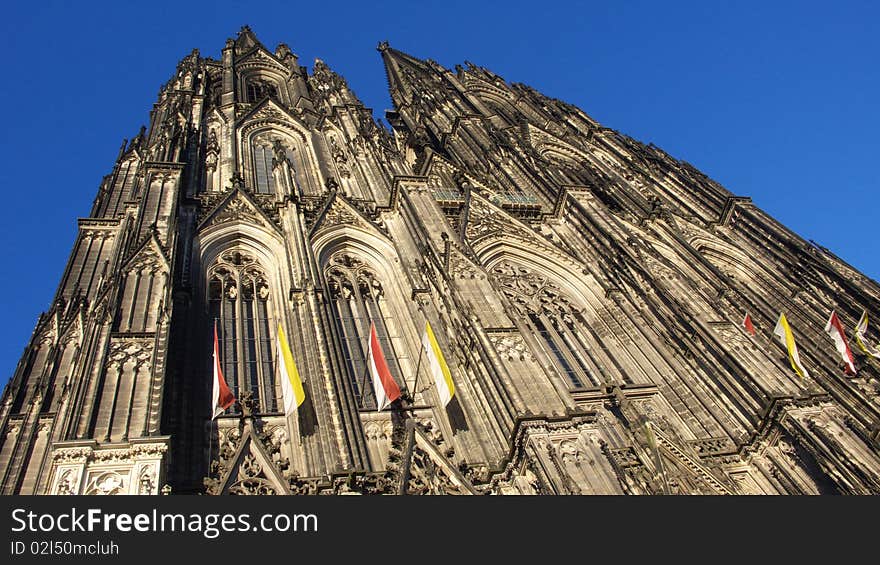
(222, 397)
(835, 329)
(383, 383)
(747, 324)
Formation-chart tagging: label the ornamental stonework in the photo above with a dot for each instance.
(591, 289)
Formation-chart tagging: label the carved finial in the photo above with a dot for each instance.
(249, 404)
(382, 47)
(237, 180)
(138, 139)
(166, 489)
(279, 152)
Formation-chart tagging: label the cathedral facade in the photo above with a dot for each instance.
(586, 290)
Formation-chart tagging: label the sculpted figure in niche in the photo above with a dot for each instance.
(145, 483)
(339, 156)
(212, 141)
(67, 483)
(338, 153)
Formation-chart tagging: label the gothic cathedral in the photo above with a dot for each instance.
(586, 290)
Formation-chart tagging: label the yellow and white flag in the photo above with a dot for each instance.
(291, 384)
(783, 333)
(862, 337)
(437, 366)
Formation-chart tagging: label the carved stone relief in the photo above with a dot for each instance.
(511, 346)
(135, 469)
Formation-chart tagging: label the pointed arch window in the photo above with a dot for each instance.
(239, 301)
(358, 298)
(557, 324)
(274, 160)
(265, 180)
(257, 89)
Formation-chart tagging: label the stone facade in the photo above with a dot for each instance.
(586, 289)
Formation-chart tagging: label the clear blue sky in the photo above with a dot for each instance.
(774, 100)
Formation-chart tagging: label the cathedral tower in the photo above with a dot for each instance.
(585, 289)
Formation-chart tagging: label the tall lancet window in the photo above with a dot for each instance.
(358, 298)
(239, 301)
(557, 324)
(263, 155)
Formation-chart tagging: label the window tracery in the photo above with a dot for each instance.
(258, 88)
(553, 317)
(273, 163)
(239, 297)
(358, 297)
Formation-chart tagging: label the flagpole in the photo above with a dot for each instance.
(211, 421)
(364, 381)
(366, 367)
(418, 370)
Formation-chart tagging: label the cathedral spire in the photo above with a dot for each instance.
(404, 73)
(328, 85)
